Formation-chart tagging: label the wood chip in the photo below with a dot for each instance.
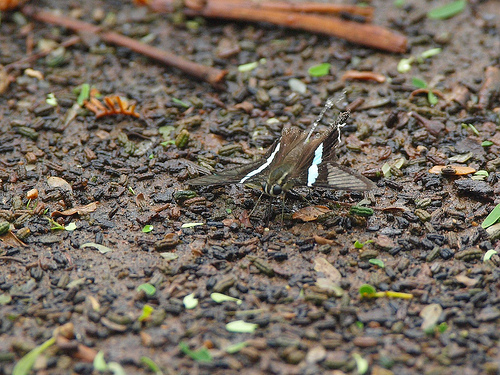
(81, 210)
(453, 170)
(310, 213)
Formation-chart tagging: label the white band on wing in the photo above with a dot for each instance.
(263, 166)
(313, 171)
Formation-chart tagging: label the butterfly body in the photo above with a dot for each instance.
(294, 160)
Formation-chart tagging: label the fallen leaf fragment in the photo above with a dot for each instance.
(11, 239)
(467, 281)
(451, 170)
(140, 201)
(5, 79)
(363, 75)
(430, 314)
(102, 249)
(322, 240)
(327, 269)
(81, 210)
(58, 182)
(310, 213)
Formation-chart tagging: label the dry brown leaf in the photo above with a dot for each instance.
(11, 239)
(140, 201)
(322, 240)
(326, 268)
(91, 207)
(58, 182)
(364, 76)
(430, 314)
(5, 79)
(456, 170)
(467, 281)
(310, 213)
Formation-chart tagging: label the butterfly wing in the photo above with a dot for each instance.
(256, 172)
(319, 168)
(227, 176)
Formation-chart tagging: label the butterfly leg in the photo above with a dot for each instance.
(283, 196)
(256, 204)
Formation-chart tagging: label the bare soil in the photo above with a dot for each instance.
(310, 317)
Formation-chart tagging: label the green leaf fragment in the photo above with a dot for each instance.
(102, 249)
(473, 128)
(399, 3)
(5, 299)
(219, 298)
(248, 67)
(190, 301)
(404, 65)
(417, 82)
(149, 289)
(199, 355)
(240, 326)
(99, 362)
(146, 312)
(361, 363)
(319, 70)
(151, 365)
(492, 218)
(487, 256)
(367, 289)
(442, 327)
(448, 10)
(487, 143)
(147, 228)
(358, 245)
(180, 102)
(430, 53)
(377, 262)
(51, 100)
(84, 94)
(116, 368)
(235, 348)
(433, 100)
(70, 227)
(25, 364)
(386, 170)
(190, 225)
(169, 256)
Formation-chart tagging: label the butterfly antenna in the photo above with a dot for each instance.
(329, 104)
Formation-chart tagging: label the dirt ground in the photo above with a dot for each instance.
(297, 283)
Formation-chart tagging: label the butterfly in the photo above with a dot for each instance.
(296, 159)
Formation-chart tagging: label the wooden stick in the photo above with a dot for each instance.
(368, 35)
(213, 76)
(305, 7)
(35, 56)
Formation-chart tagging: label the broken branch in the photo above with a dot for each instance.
(365, 34)
(213, 76)
(305, 7)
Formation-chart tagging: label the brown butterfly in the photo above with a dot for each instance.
(296, 159)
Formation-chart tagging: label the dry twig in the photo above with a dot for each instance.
(212, 75)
